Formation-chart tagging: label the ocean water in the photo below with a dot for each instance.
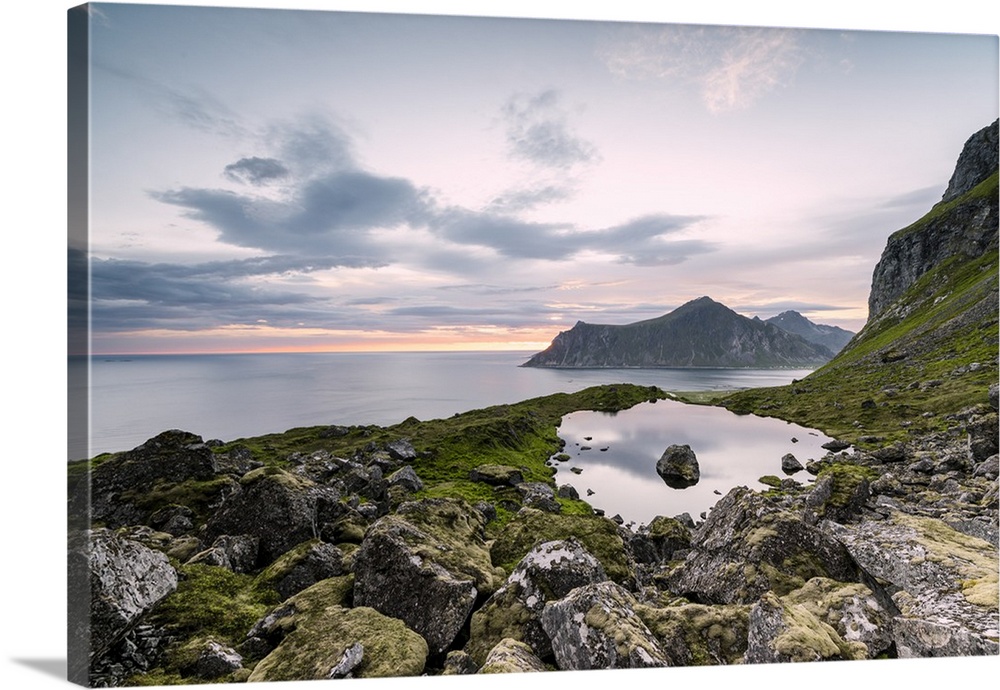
(235, 396)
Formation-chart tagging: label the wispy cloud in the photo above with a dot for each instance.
(731, 67)
(538, 131)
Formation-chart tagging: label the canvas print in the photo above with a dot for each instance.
(411, 345)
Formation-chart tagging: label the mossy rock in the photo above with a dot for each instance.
(529, 528)
(779, 632)
(512, 656)
(850, 608)
(699, 635)
(320, 633)
(497, 475)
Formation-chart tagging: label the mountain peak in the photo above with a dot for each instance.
(699, 333)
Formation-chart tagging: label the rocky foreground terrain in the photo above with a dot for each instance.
(446, 547)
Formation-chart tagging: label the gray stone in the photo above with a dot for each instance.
(126, 581)
(407, 478)
(548, 572)
(790, 465)
(678, 467)
(511, 656)
(596, 627)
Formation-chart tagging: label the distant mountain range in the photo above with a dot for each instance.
(831, 337)
(701, 333)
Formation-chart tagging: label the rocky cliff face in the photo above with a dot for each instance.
(701, 333)
(963, 223)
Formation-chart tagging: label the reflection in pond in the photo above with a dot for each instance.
(617, 454)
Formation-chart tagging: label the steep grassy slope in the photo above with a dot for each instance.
(930, 353)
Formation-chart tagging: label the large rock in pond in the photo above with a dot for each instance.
(121, 579)
(548, 572)
(276, 507)
(318, 638)
(597, 627)
(783, 633)
(945, 583)
(749, 545)
(425, 565)
(678, 467)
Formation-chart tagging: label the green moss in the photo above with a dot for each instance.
(700, 635)
(846, 477)
(945, 322)
(530, 527)
(806, 637)
(770, 480)
(198, 495)
(320, 630)
(214, 601)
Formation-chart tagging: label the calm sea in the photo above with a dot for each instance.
(234, 396)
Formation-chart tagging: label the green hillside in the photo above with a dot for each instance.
(928, 356)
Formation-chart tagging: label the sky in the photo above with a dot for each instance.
(279, 180)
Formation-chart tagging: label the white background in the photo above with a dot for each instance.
(32, 621)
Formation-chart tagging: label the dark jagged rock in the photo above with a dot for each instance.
(657, 542)
(701, 333)
(118, 485)
(833, 338)
(276, 507)
(678, 467)
(425, 565)
(790, 464)
(978, 160)
(215, 661)
(407, 478)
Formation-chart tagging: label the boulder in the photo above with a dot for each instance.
(529, 528)
(318, 639)
(215, 661)
(511, 656)
(548, 572)
(852, 609)
(596, 627)
(304, 566)
(699, 635)
(402, 450)
(988, 468)
(945, 582)
(459, 663)
(781, 633)
(276, 507)
(425, 565)
(238, 553)
(126, 580)
(118, 485)
(406, 477)
(790, 464)
(836, 445)
(657, 542)
(497, 475)
(540, 496)
(749, 545)
(839, 494)
(678, 467)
